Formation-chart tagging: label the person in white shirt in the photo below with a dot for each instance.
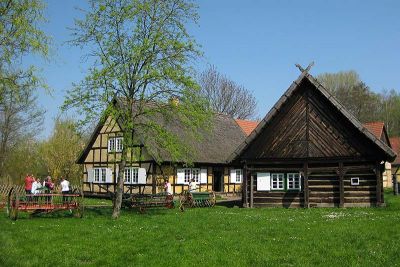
(35, 186)
(64, 188)
(167, 187)
(192, 186)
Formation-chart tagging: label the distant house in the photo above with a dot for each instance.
(309, 151)
(379, 130)
(395, 142)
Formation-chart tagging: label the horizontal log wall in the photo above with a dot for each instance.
(324, 187)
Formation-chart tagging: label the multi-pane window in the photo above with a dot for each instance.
(118, 144)
(277, 181)
(188, 173)
(293, 181)
(135, 175)
(127, 175)
(115, 144)
(131, 175)
(239, 175)
(196, 175)
(192, 174)
(99, 175)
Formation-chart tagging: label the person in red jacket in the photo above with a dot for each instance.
(28, 184)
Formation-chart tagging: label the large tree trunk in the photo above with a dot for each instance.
(120, 186)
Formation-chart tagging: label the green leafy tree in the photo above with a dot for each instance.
(390, 111)
(24, 158)
(61, 150)
(354, 94)
(142, 54)
(20, 35)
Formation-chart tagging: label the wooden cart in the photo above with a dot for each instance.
(196, 199)
(43, 203)
(145, 201)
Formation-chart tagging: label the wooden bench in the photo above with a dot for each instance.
(145, 201)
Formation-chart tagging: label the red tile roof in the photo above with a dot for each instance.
(375, 127)
(247, 125)
(395, 142)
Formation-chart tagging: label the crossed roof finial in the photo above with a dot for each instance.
(307, 69)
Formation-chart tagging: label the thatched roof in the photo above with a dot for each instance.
(212, 145)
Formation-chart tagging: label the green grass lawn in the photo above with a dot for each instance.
(210, 237)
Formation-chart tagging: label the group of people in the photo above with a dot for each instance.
(34, 186)
(168, 188)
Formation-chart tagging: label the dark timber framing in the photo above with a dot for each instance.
(96, 155)
(309, 134)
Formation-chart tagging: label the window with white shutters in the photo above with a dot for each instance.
(189, 174)
(99, 175)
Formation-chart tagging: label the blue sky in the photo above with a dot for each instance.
(256, 43)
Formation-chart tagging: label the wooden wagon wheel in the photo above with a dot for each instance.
(12, 204)
(78, 212)
(190, 200)
(182, 200)
(169, 202)
(212, 199)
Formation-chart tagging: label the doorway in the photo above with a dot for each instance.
(218, 180)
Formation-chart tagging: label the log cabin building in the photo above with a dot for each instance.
(309, 151)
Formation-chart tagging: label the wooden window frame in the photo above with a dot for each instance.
(192, 173)
(115, 144)
(239, 174)
(119, 144)
(279, 178)
(294, 178)
(101, 176)
(355, 183)
(195, 175)
(187, 172)
(133, 175)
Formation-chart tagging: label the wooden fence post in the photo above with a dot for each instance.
(244, 187)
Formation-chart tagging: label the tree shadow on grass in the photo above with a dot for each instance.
(229, 203)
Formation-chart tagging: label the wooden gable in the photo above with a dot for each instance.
(306, 123)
